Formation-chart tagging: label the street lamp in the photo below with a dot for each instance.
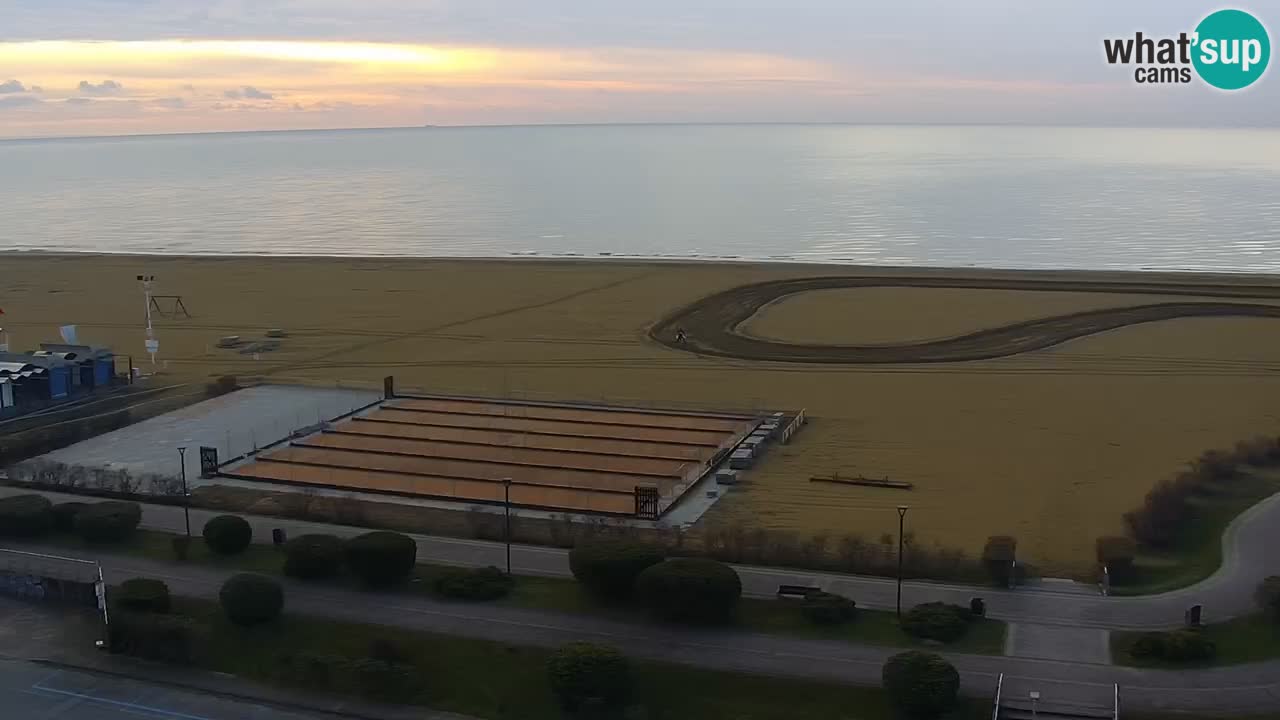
(186, 496)
(506, 488)
(902, 514)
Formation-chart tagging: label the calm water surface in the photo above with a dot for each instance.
(954, 196)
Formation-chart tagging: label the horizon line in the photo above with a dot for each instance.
(675, 123)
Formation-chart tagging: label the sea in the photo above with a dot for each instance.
(964, 196)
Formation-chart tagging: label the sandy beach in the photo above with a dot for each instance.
(1050, 446)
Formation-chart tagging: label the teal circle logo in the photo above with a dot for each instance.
(1231, 49)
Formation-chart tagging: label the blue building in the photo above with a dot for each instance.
(54, 374)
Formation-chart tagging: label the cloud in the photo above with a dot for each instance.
(37, 89)
(106, 87)
(18, 101)
(172, 103)
(77, 101)
(11, 86)
(248, 92)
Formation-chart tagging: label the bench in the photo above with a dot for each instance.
(796, 591)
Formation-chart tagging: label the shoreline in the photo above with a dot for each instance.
(736, 262)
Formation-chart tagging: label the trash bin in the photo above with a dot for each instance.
(277, 536)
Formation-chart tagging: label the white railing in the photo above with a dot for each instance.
(995, 713)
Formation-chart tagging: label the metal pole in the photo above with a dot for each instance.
(506, 487)
(902, 514)
(186, 496)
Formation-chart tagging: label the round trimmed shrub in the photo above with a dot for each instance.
(311, 557)
(487, 583)
(381, 557)
(109, 521)
(690, 590)
(936, 621)
(1268, 597)
(582, 673)
(25, 515)
(822, 608)
(250, 599)
(227, 534)
(920, 684)
(64, 515)
(608, 567)
(143, 595)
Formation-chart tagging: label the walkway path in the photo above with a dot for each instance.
(1247, 553)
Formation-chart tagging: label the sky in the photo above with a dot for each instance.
(110, 67)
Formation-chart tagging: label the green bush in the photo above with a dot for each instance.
(823, 608)
(690, 590)
(583, 673)
(608, 567)
(165, 638)
(373, 678)
(998, 556)
(110, 521)
(143, 595)
(487, 583)
(1117, 554)
(921, 685)
(381, 557)
(1178, 646)
(937, 621)
(311, 557)
(250, 599)
(64, 515)
(227, 534)
(25, 515)
(1148, 646)
(1189, 646)
(1268, 597)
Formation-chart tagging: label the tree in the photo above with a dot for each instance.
(690, 590)
(381, 557)
(920, 684)
(227, 534)
(1268, 597)
(311, 557)
(582, 672)
(998, 557)
(608, 567)
(25, 515)
(64, 515)
(250, 599)
(1117, 553)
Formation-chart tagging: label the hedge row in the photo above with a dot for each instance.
(379, 558)
(33, 515)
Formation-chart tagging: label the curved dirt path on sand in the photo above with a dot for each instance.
(712, 323)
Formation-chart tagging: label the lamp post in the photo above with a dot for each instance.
(506, 487)
(186, 496)
(902, 514)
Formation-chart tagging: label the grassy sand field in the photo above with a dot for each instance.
(1050, 446)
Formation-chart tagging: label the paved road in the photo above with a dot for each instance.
(35, 692)
(1227, 593)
